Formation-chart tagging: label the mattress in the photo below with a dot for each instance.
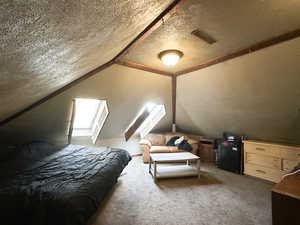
(63, 188)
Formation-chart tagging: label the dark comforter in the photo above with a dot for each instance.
(63, 188)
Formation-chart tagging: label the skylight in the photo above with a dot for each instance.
(89, 117)
(157, 112)
(85, 113)
(146, 120)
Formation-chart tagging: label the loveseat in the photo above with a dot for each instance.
(156, 143)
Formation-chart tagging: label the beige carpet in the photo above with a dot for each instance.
(218, 198)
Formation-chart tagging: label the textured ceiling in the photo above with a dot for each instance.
(235, 24)
(46, 44)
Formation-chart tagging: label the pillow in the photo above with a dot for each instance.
(184, 145)
(179, 140)
(172, 140)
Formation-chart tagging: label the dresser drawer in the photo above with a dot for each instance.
(263, 172)
(289, 165)
(263, 160)
(289, 153)
(261, 149)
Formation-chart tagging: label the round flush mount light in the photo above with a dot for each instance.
(170, 57)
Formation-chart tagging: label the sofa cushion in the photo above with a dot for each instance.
(156, 139)
(164, 149)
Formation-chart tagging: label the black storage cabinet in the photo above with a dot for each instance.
(229, 153)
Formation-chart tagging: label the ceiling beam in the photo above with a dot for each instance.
(247, 50)
(174, 95)
(157, 22)
(143, 67)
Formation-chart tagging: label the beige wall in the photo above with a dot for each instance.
(126, 90)
(257, 95)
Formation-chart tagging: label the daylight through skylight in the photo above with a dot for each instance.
(85, 113)
(157, 112)
(90, 115)
(146, 120)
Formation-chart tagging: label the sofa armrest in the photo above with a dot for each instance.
(145, 142)
(145, 145)
(194, 148)
(195, 145)
(192, 141)
(146, 152)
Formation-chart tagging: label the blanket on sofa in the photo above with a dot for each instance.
(183, 145)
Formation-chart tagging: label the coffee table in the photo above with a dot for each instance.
(172, 169)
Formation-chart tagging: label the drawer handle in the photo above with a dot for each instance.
(260, 171)
(260, 149)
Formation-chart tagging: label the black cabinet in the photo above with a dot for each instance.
(229, 153)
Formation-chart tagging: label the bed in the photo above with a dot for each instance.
(63, 187)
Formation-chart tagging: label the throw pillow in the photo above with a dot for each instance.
(184, 145)
(172, 140)
(179, 140)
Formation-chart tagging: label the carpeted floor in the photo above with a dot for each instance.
(218, 198)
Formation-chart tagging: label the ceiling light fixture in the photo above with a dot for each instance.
(170, 57)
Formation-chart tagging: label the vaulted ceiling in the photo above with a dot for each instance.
(234, 24)
(47, 44)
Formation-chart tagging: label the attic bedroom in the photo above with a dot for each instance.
(150, 112)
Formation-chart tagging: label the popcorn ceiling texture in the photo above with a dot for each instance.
(47, 44)
(234, 24)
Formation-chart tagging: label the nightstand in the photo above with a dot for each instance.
(206, 150)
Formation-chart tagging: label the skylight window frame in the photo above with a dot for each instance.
(156, 114)
(146, 120)
(102, 110)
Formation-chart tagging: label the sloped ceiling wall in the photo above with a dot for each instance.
(257, 95)
(235, 24)
(47, 44)
(126, 90)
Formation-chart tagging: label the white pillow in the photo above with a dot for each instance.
(179, 140)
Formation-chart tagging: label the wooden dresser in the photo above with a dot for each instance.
(269, 161)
